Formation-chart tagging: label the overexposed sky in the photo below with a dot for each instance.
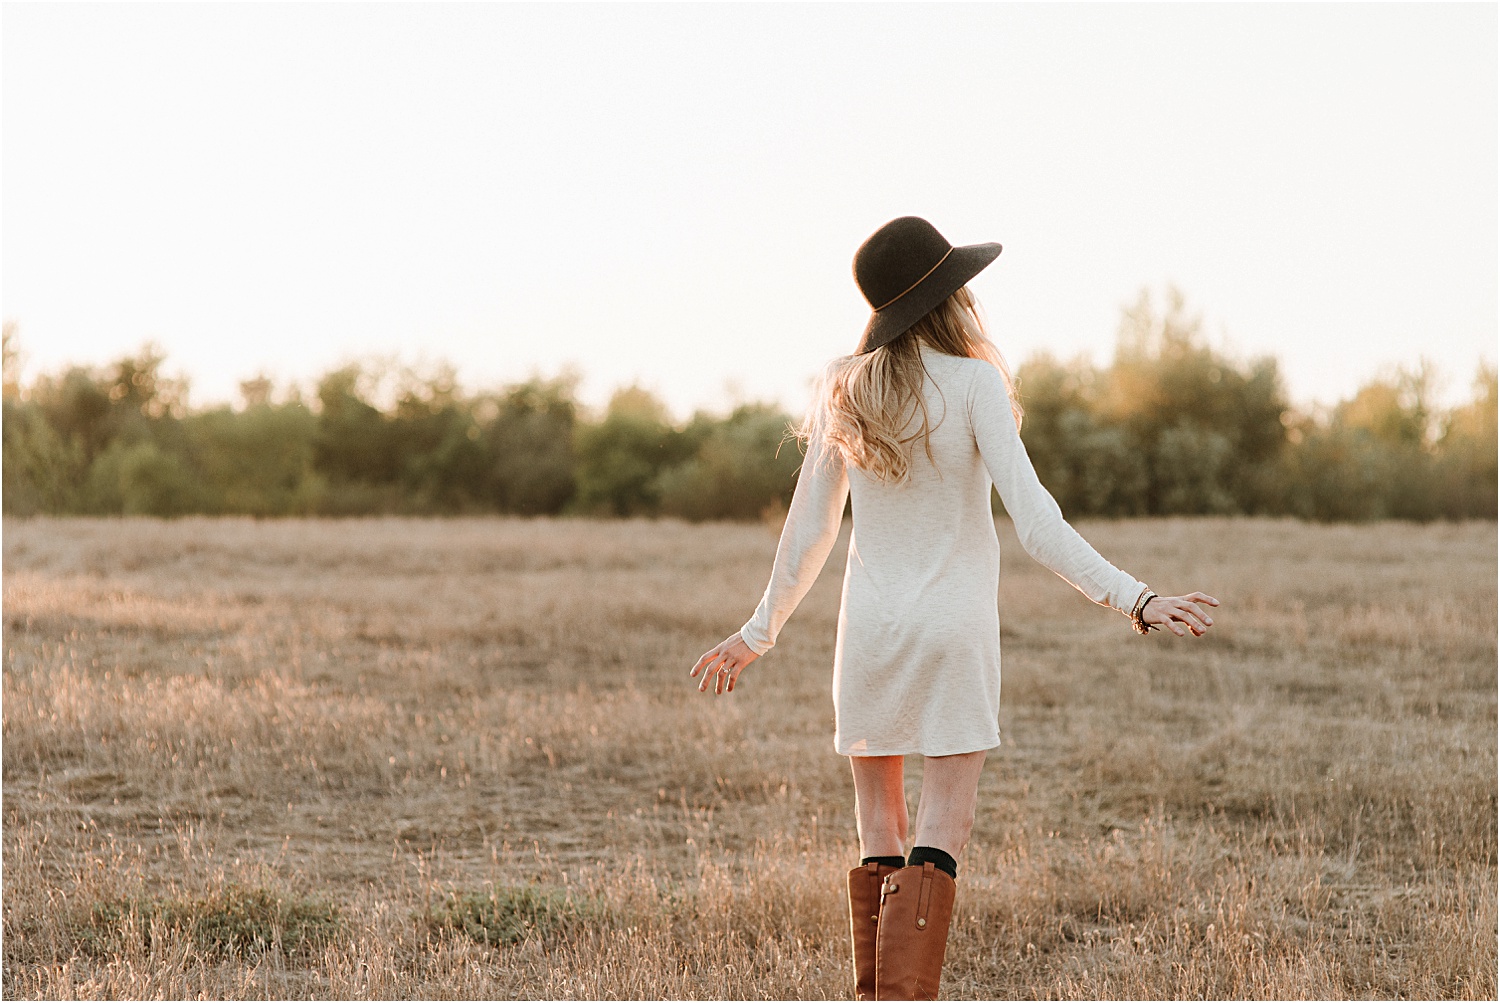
(673, 194)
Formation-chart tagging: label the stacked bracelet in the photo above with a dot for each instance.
(1138, 612)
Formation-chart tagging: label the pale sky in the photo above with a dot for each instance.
(673, 194)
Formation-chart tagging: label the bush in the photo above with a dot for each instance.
(256, 462)
(43, 470)
(1171, 426)
(529, 448)
(744, 466)
(621, 459)
(1190, 468)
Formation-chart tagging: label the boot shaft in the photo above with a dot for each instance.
(916, 908)
(865, 882)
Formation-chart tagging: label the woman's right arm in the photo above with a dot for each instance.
(1044, 532)
(807, 538)
(1039, 523)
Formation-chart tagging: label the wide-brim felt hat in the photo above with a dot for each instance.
(905, 269)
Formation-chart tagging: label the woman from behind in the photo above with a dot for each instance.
(915, 427)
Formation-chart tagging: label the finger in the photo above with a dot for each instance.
(1172, 617)
(1201, 614)
(1176, 609)
(708, 656)
(1189, 621)
(733, 676)
(721, 678)
(712, 672)
(1193, 617)
(1203, 597)
(708, 671)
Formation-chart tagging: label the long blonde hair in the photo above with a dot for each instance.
(868, 400)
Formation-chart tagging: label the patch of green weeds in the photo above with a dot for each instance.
(500, 916)
(233, 921)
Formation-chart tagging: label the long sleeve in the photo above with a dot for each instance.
(1039, 523)
(812, 526)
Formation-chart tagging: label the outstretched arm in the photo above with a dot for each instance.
(1040, 525)
(812, 526)
(1044, 533)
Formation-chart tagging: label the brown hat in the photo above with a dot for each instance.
(906, 269)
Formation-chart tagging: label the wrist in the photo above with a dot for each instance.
(757, 645)
(1138, 612)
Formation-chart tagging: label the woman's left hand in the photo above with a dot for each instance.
(724, 663)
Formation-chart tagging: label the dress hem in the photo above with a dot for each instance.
(919, 752)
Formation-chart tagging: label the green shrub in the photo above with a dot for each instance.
(1191, 468)
(258, 461)
(43, 471)
(621, 458)
(1171, 426)
(744, 465)
(156, 483)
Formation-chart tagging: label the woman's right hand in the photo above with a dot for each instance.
(1170, 611)
(723, 663)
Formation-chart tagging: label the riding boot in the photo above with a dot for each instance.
(864, 920)
(916, 905)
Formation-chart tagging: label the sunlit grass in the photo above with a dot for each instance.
(404, 758)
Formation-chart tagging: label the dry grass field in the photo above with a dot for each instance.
(424, 758)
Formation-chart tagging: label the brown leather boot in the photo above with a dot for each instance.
(864, 920)
(916, 904)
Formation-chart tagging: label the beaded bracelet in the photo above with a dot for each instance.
(1138, 613)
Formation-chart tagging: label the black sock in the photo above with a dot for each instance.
(896, 861)
(932, 855)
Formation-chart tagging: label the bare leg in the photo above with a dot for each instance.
(945, 813)
(879, 805)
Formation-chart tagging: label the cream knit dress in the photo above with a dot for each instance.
(916, 666)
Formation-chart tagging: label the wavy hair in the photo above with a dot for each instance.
(867, 401)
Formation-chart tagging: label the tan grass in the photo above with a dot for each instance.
(424, 758)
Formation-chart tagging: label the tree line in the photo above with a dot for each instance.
(1171, 426)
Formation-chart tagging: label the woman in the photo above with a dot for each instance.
(915, 426)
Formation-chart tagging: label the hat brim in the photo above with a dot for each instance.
(948, 278)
